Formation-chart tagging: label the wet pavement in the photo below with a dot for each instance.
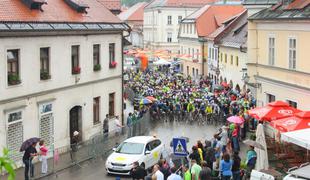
(95, 169)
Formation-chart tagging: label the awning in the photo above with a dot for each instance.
(300, 138)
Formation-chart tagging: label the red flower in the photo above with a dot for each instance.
(113, 64)
(76, 70)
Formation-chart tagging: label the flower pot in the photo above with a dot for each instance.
(76, 70)
(97, 67)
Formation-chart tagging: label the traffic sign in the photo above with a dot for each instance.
(179, 146)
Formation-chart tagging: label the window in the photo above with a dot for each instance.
(96, 110)
(193, 72)
(237, 61)
(190, 28)
(231, 59)
(187, 28)
(169, 37)
(46, 128)
(225, 58)
(197, 72)
(221, 57)
(75, 64)
(215, 54)
(189, 51)
(183, 26)
(187, 70)
(112, 55)
(169, 20)
(13, 67)
(197, 53)
(292, 103)
(44, 63)
(270, 98)
(111, 104)
(156, 143)
(96, 57)
(271, 51)
(15, 134)
(179, 19)
(212, 53)
(292, 53)
(193, 53)
(209, 54)
(181, 49)
(194, 28)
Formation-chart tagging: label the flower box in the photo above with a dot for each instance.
(97, 67)
(44, 75)
(13, 79)
(113, 64)
(76, 70)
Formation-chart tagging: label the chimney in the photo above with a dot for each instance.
(35, 4)
(77, 5)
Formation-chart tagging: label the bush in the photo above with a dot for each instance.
(7, 164)
(97, 67)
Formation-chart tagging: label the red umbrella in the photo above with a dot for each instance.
(224, 84)
(273, 111)
(236, 119)
(151, 98)
(297, 122)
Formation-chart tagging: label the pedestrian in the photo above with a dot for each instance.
(74, 146)
(224, 138)
(164, 168)
(210, 154)
(250, 161)
(43, 155)
(118, 125)
(106, 124)
(218, 150)
(195, 154)
(173, 175)
(129, 124)
(235, 139)
(187, 173)
(137, 172)
(236, 166)
(157, 174)
(195, 170)
(205, 173)
(149, 174)
(27, 160)
(200, 150)
(226, 165)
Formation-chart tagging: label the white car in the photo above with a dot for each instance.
(147, 150)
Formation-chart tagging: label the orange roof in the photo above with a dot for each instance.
(213, 17)
(134, 13)
(298, 4)
(55, 11)
(111, 4)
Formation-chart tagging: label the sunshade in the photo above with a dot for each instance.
(254, 144)
(297, 122)
(26, 144)
(262, 155)
(145, 101)
(273, 111)
(299, 137)
(235, 119)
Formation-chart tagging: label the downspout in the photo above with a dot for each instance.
(203, 59)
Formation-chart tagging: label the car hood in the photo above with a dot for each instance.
(123, 158)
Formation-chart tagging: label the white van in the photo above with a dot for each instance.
(298, 173)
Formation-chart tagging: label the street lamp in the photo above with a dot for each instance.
(246, 79)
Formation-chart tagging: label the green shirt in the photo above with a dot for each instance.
(187, 175)
(196, 170)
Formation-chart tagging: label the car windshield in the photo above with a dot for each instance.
(130, 148)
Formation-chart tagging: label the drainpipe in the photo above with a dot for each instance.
(203, 59)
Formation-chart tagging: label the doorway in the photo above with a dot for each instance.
(76, 121)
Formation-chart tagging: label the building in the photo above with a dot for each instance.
(278, 41)
(61, 71)
(195, 29)
(162, 20)
(115, 6)
(232, 44)
(134, 18)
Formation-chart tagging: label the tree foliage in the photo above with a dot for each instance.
(7, 164)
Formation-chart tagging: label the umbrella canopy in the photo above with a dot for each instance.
(254, 144)
(262, 155)
(235, 119)
(299, 137)
(151, 98)
(224, 84)
(218, 87)
(26, 144)
(297, 122)
(273, 111)
(145, 101)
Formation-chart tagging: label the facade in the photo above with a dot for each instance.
(197, 51)
(233, 51)
(61, 72)
(162, 21)
(134, 18)
(278, 44)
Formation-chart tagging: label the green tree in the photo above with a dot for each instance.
(7, 164)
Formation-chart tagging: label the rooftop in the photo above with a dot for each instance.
(134, 13)
(55, 11)
(295, 9)
(210, 17)
(260, 2)
(111, 4)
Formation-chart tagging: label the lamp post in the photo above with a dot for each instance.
(246, 79)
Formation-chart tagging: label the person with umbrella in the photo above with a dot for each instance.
(30, 152)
